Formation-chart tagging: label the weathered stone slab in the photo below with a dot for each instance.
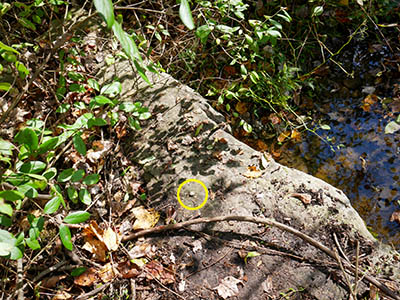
(186, 138)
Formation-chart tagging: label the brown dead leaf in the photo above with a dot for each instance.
(155, 269)
(142, 250)
(52, 281)
(283, 136)
(145, 218)
(275, 119)
(62, 295)
(395, 217)
(305, 198)
(296, 136)
(111, 239)
(368, 102)
(99, 241)
(128, 270)
(222, 141)
(261, 146)
(99, 150)
(241, 107)
(88, 278)
(253, 172)
(97, 248)
(228, 287)
(107, 273)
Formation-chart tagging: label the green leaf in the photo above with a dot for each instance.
(134, 123)
(92, 83)
(65, 175)
(203, 32)
(77, 176)
(127, 43)
(11, 195)
(144, 116)
(325, 127)
(318, 10)
(26, 23)
(33, 244)
(79, 123)
(72, 194)
(100, 101)
(50, 173)
(5, 248)
(127, 107)
(33, 167)
(77, 217)
(6, 147)
(49, 144)
(5, 221)
(112, 89)
(251, 254)
(22, 70)
(5, 86)
(65, 236)
(6, 208)
(227, 29)
(28, 190)
(28, 138)
(75, 76)
(105, 8)
(9, 57)
(141, 71)
(392, 127)
(78, 271)
(63, 108)
(91, 179)
(85, 197)
(186, 14)
(79, 144)
(8, 48)
(76, 87)
(52, 205)
(97, 122)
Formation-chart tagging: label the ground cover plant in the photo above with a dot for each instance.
(257, 62)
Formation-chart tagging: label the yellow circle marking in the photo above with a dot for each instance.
(189, 207)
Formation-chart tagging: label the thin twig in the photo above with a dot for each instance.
(353, 294)
(266, 221)
(93, 292)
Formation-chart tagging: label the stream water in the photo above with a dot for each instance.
(365, 162)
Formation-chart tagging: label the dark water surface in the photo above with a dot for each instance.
(366, 166)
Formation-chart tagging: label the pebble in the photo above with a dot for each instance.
(191, 194)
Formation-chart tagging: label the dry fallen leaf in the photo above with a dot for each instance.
(296, 136)
(107, 273)
(128, 269)
(228, 287)
(62, 295)
(395, 217)
(52, 281)
(142, 250)
(241, 107)
(305, 198)
(253, 172)
(99, 241)
(267, 285)
(111, 239)
(283, 136)
(88, 278)
(145, 218)
(155, 269)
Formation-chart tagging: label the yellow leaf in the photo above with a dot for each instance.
(145, 218)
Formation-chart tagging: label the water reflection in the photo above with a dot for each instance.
(366, 165)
